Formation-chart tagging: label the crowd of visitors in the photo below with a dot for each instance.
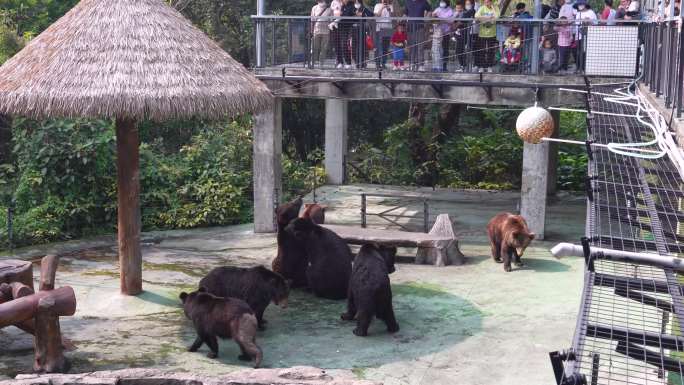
(476, 35)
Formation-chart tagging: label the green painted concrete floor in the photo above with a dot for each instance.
(470, 324)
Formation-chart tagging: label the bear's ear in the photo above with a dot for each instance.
(183, 296)
(531, 236)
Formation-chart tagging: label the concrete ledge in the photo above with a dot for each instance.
(298, 375)
(659, 104)
(462, 88)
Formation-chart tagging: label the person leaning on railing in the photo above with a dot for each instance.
(320, 32)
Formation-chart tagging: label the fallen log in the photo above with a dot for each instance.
(14, 270)
(25, 308)
(20, 290)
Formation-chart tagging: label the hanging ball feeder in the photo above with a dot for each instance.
(533, 124)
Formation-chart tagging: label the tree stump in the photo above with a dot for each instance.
(440, 255)
(49, 352)
(13, 270)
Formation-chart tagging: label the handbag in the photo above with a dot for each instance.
(369, 43)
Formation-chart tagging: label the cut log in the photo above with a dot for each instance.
(25, 308)
(5, 292)
(48, 271)
(20, 290)
(128, 193)
(47, 343)
(14, 270)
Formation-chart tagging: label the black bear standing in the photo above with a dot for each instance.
(370, 293)
(291, 261)
(257, 286)
(225, 318)
(329, 258)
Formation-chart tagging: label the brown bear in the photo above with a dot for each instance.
(370, 294)
(314, 211)
(257, 286)
(330, 260)
(509, 237)
(291, 261)
(224, 318)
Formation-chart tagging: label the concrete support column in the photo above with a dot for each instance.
(335, 140)
(268, 148)
(534, 181)
(553, 156)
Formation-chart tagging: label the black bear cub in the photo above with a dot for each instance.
(225, 318)
(257, 286)
(330, 260)
(370, 294)
(291, 259)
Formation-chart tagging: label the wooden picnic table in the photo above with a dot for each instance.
(438, 247)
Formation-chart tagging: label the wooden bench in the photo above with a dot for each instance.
(439, 247)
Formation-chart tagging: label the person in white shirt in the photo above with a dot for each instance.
(585, 16)
(319, 31)
(383, 10)
(336, 10)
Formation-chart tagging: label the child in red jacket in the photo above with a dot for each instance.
(398, 41)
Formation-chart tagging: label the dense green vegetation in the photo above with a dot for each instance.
(59, 175)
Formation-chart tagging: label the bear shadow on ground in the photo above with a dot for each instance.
(310, 331)
(543, 265)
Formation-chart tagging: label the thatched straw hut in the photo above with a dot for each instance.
(127, 60)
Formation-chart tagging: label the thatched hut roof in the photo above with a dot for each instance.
(136, 59)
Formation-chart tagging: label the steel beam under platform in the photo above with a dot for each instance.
(462, 88)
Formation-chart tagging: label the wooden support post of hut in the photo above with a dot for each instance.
(163, 69)
(128, 191)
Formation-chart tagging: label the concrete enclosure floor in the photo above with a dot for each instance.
(470, 324)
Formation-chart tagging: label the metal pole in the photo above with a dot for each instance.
(261, 6)
(536, 36)
(10, 226)
(363, 210)
(426, 217)
(680, 70)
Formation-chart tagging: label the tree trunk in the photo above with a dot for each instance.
(417, 146)
(128, 186)
(5, 139)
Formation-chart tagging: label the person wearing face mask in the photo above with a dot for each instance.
(383, 10)
(360, 31)
(446, 13)
(320, 32)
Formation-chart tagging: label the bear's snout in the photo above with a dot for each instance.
(282, 303)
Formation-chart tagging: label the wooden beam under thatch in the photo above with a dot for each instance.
(127, 60)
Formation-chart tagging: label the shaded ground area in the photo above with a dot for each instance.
(471, 324)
